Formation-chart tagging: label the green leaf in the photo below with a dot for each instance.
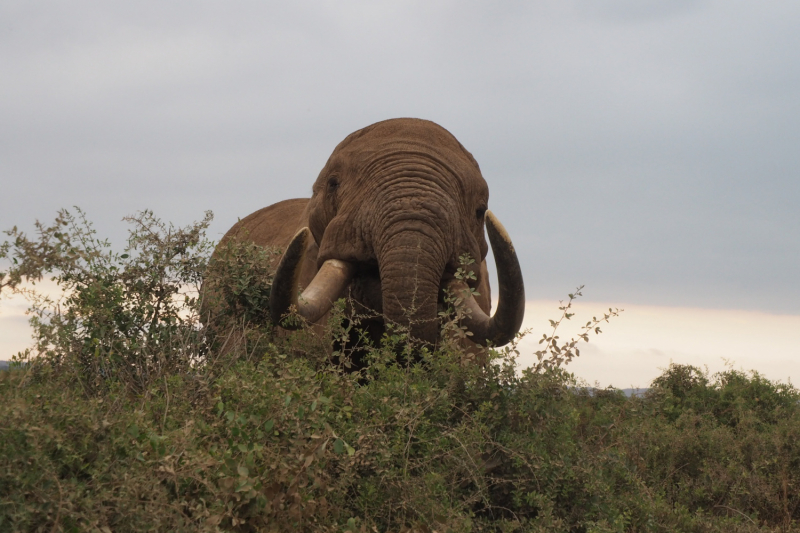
(338, 446)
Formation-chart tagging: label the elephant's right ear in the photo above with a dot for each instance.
(326, 287)
(316, 217)
(282, 294)
(345, 238)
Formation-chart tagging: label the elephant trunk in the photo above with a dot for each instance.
(411, 262)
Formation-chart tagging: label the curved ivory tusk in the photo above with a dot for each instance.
(317, 299)
(501, 328)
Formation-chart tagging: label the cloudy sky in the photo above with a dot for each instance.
(645, 148)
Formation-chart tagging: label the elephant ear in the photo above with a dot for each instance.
(317, 298)
(344, 239)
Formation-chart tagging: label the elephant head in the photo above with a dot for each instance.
(393, 210)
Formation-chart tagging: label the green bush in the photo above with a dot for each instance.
(237, 284)
(126, 316)
(264, 433)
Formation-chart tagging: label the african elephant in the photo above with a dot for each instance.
(394, 208)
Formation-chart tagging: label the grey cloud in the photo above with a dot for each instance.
(646, 150)
(638, 10)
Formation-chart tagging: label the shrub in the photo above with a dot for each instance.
(131, 415)
(128, 316)
(237, 284)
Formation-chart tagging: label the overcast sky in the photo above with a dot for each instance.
(645, 148)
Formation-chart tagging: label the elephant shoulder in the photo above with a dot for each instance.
(274, 225)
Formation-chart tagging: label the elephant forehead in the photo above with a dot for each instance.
(394, 136)
(400, 128)
(415, 166)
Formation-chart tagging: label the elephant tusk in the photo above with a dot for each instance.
(501, 328)
(317, 299)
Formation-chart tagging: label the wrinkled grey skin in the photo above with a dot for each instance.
(400, 200)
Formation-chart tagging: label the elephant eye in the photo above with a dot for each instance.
(480, 212)
(333, 184)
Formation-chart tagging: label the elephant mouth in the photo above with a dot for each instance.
(335, 276)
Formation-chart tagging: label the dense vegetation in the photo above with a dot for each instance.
(129, 415)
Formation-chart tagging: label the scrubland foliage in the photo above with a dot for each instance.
(128, 414)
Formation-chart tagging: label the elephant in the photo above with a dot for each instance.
(393, 211)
